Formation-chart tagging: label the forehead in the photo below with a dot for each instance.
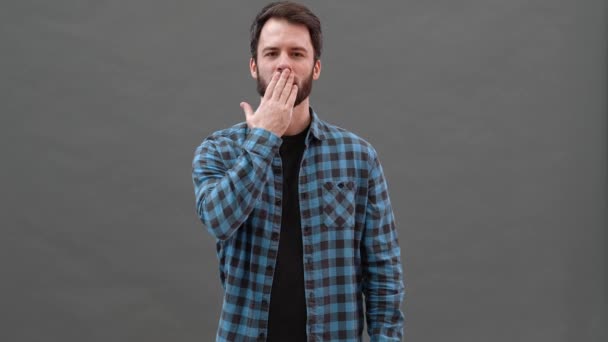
(281, 33)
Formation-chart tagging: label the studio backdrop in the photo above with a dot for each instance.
(489, 118)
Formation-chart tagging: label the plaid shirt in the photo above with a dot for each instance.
(350, 244)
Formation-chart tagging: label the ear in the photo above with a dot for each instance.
(316, 70)
(253, 68)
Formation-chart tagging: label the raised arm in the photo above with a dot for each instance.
(226, 196)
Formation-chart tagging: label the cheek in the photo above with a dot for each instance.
(264, 74)
(261, 68)
(266, 68)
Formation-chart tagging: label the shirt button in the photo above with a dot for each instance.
(278, 202)
(304, 195)
(275, 236)
(264, 303)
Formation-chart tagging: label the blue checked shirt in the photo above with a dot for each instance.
(350, 244)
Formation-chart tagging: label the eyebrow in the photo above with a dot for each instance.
(272, 48)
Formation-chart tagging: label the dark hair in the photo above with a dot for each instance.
(292, 12)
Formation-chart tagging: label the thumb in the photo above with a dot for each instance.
(246, 108)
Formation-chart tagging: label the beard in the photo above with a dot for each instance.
(304, 87)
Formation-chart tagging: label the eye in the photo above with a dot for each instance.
(270, 54)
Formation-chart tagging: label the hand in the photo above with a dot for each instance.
(276, 107)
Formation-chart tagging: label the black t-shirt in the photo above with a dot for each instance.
(287, 314)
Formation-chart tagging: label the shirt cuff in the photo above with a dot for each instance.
(262, 142)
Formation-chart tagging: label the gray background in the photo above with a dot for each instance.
(489, 118)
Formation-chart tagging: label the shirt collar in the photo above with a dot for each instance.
(318, 127)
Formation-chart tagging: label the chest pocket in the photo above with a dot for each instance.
(338, 204)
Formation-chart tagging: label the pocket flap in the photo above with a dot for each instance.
(339, 185)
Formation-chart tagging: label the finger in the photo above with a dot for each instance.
(271, 85)
(292, 96)
(278, 88)
(287, 89)
(246, 108)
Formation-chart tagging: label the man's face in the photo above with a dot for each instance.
(283, 45)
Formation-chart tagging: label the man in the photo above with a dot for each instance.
(299, 208)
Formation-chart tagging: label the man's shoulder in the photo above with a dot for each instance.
(234, 133)
(333, 131)
(231, 132)
(340, 136)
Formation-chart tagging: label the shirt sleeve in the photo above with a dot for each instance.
(226, 196)
(383, 285)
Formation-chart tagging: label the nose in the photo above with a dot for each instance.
(283, 63)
